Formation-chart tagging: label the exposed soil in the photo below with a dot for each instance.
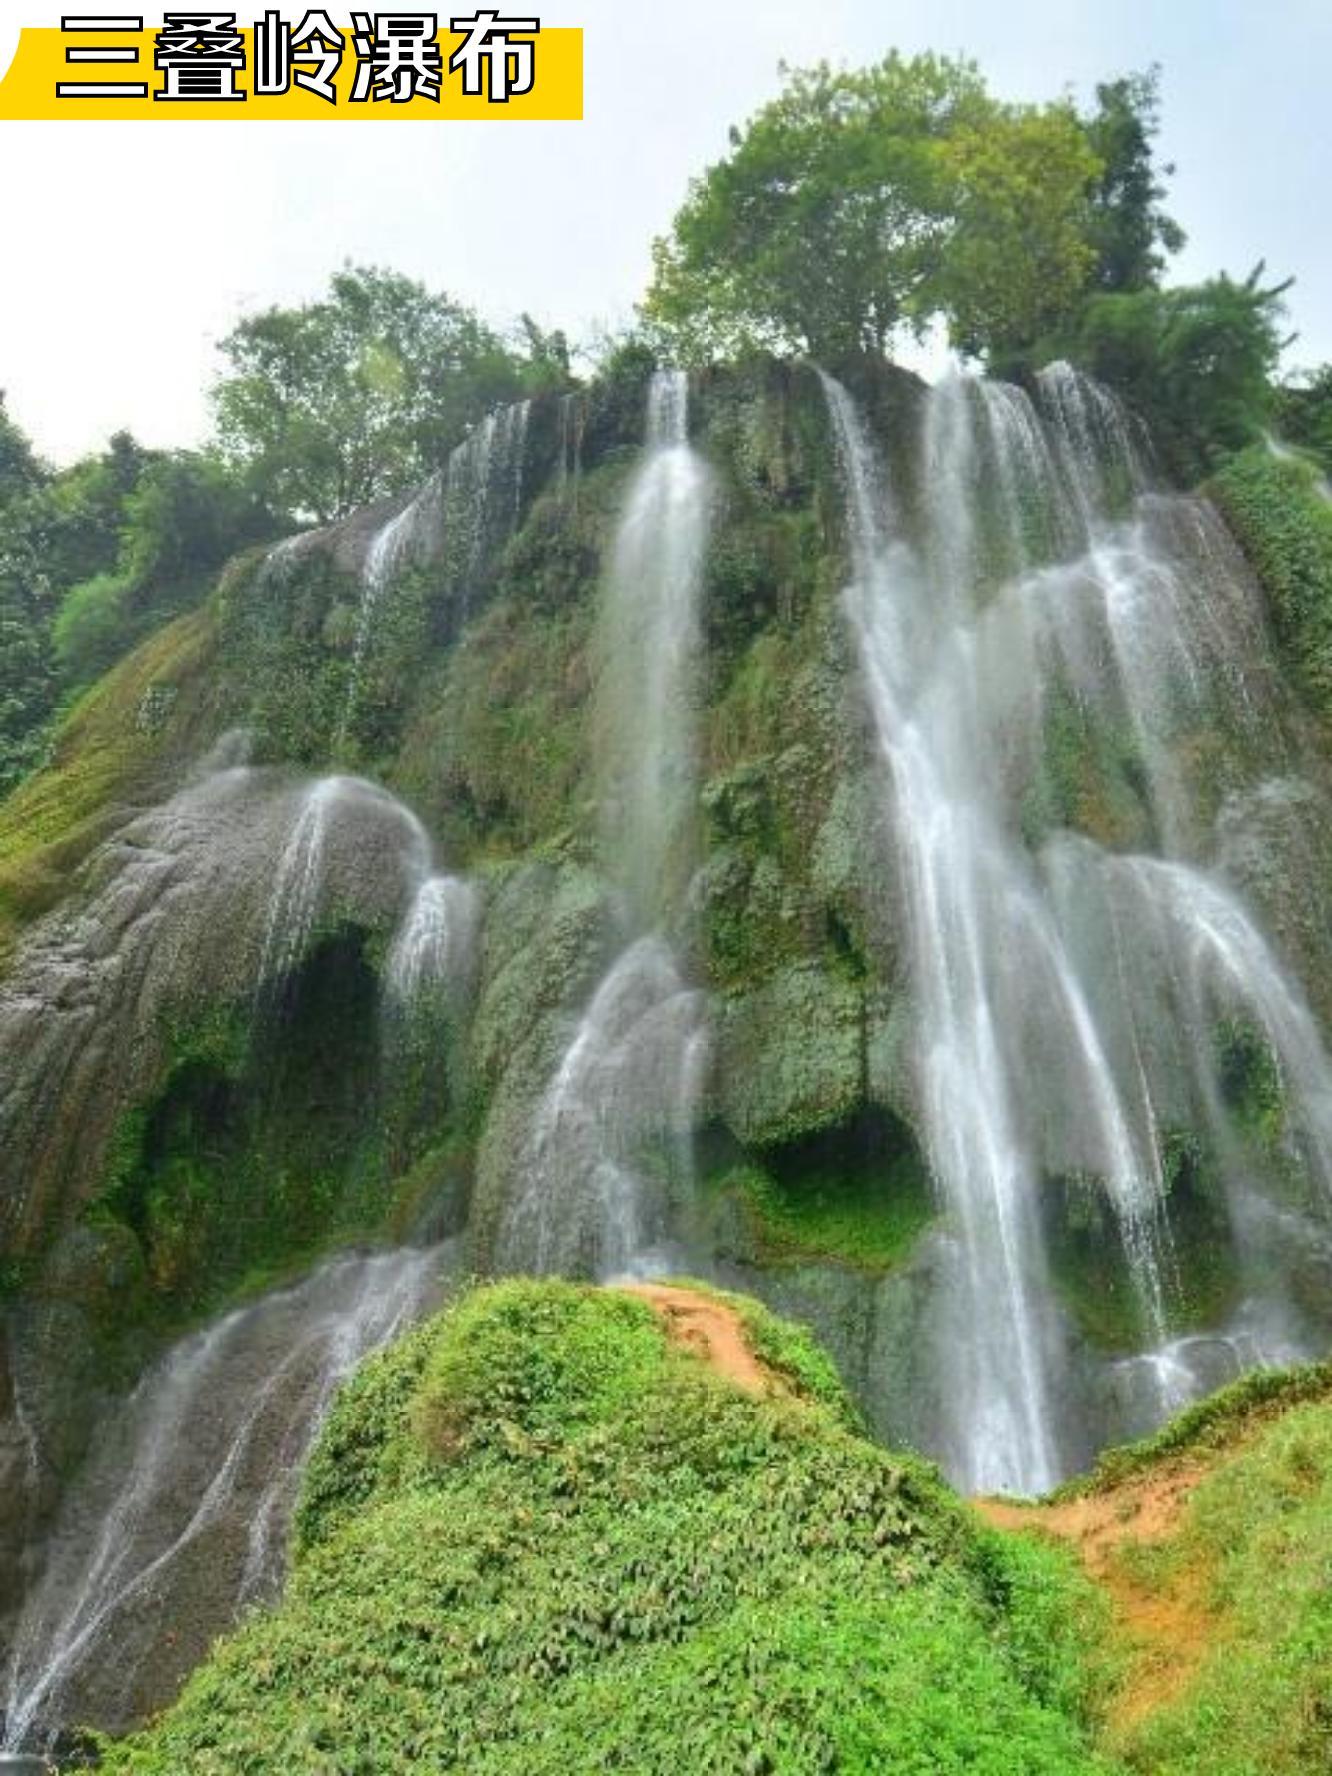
(709, 1329)
(1167, 1626)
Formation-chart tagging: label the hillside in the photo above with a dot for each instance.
(546, 1533)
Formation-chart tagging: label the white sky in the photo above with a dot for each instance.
(130, 248)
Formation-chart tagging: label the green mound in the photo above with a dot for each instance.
(539, 1537)
(1209, 1426)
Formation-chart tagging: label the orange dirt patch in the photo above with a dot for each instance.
(709, 1329)
(1168, 1625)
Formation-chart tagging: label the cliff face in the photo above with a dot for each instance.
(464, 691)
(303, 928)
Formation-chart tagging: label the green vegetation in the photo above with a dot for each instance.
(1195, 362)
(92, 560)
(857, 1195)
(109, 750)
(336, 403)
(1256, 1542)
(183, 518)
(538, 1536)
(1304, 413)
(858, 203)
(1285, 528)
(1220, 1420)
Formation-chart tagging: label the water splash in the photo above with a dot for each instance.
(179, 1520)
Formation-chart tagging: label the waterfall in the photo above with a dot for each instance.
(298, 895)
(648, 649)
(611, 1136)
(435, 944)
(628, 1081)
(178, 1521)
(1055, 983)
(408, 538)
(463, 512)
(483, 496)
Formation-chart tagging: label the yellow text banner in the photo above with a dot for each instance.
(41, 66)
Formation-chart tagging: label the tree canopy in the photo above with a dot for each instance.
(859, 204)
(338, 402)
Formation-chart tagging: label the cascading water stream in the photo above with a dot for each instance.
(592, 1199)
(179, 1519)
(463, 511)
(1044, 1039)
(435, 945)
(299, 886)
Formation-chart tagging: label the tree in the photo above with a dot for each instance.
(186, 513)
(858, 205)
(26, 680)
(341, 401)
(1196, 362)
(1018, 256)
(821, 232)
(1303, 413)
(1129, 231)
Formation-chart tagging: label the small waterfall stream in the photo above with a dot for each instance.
(1060, 988)
(179, 1520)
(462, 512)
(594, 1197)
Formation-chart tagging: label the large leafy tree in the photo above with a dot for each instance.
(340, 401)
(822, 230)
(860, 204)
(1017, 255)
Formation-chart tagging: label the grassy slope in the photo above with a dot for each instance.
(540, 1537)
(1213, 1542)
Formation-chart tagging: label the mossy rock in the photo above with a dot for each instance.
(790, 1055)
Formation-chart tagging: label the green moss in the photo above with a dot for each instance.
(262, 1146)
(1091, 779)
(108, 753)
(538, 1537)
(1090, 1267)
(859, 1198)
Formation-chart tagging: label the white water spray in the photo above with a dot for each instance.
(1040, 1037)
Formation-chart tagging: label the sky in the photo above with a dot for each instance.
(130, 249)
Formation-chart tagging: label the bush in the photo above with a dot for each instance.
(91, 629)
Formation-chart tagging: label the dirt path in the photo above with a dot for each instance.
(1168, 1625)
(710, 1329)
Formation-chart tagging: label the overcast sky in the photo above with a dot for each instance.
(130, 248)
